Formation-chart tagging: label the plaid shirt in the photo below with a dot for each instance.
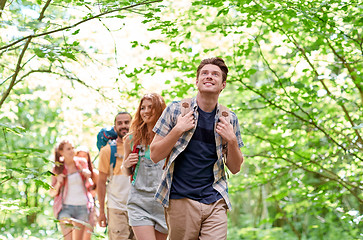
(164, 125)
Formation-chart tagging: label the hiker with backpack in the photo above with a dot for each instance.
(198, 146)
(71, 184)
(146, 215)
(116, 184)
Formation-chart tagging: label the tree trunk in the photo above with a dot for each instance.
(2, 6)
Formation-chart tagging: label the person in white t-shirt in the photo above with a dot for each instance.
(115, 184)
(70, 189)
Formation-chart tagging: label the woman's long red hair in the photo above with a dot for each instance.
(138, 128)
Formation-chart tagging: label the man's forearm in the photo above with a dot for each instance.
(234, 157)
(101, 190)
(161, 147)
(101, 197)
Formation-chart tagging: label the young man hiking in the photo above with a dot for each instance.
(114, 183)
(198, 145)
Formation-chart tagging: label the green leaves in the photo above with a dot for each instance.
(17, 130)
(298, 104)
(294, 82)
(39, 53)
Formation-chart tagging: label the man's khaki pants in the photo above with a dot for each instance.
(191, 220)
(118, 225)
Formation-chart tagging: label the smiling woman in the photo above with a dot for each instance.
(146, 216)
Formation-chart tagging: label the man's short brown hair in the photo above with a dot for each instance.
(215, 61)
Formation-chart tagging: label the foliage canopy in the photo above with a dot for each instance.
(295, 83)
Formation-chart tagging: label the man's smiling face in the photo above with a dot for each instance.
(210, 79)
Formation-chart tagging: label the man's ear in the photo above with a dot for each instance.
(224, 84)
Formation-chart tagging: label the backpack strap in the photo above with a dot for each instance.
(185, 105)
(136, 149)
(224, 112)
(113, 146)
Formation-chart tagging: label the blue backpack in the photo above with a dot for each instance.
(105, 136)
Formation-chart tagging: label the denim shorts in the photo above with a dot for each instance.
(79, 212)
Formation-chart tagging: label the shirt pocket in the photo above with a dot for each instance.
(148, 175)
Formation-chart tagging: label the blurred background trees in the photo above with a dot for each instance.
(295, 83)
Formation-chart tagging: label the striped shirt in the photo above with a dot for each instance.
(165, 124)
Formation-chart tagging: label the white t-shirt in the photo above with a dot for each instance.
(119, 184)
(76, 194)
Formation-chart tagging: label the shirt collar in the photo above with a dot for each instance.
(194, 105)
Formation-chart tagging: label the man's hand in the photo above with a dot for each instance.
(186, 122)
(161, 147)
(102, 219)
(101, 191)
(234, 154)
(225, 129)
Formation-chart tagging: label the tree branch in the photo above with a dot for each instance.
(330, 94)
(31, 72)
(18, 65)
(333, 176)
(338, 180)
(279, 81)
(309, 122)
(7, 179)
(78, 23)
(302, 50)
(332, 26)
(2, 6)
(352, 73)
(41, 15)
(307, 114)
(17, 69)
(30, 37)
